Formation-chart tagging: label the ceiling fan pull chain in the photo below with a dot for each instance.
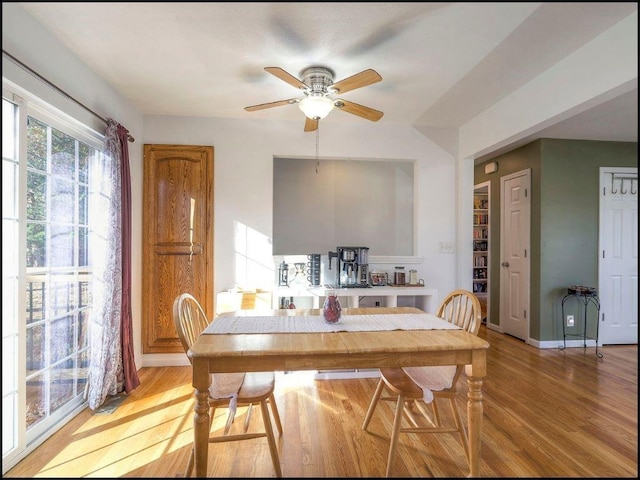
(318, 146)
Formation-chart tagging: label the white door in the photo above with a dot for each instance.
(618, 256)
(515, 227)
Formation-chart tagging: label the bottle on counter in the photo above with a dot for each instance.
(291, 304)
(398, 276)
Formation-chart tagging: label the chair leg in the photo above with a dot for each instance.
(247, 418)
(436, 413)
(373, 404)
(395, 433)
(276, 414)
(460, 426)
(273, 449)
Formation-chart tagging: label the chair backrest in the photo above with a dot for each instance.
(189, 318)
(462, 308)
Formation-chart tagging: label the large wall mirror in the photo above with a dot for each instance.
(319, 206)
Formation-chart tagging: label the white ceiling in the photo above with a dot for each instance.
(441, 63)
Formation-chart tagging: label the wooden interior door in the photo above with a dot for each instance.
(177, 238)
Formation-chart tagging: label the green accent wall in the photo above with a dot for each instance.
(565, 178)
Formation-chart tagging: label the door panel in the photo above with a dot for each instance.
(515, 209)
(177, 237)
(618, 259)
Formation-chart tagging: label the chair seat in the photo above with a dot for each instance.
(400, 383)
(257, 386)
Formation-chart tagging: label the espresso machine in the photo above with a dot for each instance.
(352, 267)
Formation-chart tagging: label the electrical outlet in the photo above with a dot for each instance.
(570, 321)
(447, 247)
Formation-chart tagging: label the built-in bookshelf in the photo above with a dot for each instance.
(481, 244)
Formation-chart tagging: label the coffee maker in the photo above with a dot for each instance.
(352, 267)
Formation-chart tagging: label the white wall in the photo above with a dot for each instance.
(243, 180)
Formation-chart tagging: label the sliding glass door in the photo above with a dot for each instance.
(46, 270)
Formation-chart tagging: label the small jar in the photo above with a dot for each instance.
(398, 276)
(331, 310)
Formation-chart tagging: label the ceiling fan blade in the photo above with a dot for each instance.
(358, 80)
(310, 125)
(279, 103)
(286, 76)
(359, 110)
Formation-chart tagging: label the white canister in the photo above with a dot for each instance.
(413, 277)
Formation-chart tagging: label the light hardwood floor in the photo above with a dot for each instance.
(547, 413)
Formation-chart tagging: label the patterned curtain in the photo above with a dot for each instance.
(112, 367)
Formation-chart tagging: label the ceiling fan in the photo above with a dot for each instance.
(318, 88)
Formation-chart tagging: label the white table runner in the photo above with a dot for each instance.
(315, 323)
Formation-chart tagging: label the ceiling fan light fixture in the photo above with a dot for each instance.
(316, 107)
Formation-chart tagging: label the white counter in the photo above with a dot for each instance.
(425, 298)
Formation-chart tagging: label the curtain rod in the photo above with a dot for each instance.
(57, 89)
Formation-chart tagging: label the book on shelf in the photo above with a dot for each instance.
(480, 245)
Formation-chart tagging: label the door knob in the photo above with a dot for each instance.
(505, 264)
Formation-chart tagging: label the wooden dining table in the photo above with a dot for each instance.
(285, 351)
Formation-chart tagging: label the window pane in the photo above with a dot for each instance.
(35, 348)
(61, 248)
(36, 399)
(63, 158)
(62, 336)
(9, 257)
(9, 308)
(86, 152)
(83, 331)
(36, 196)
(36, 144)
(9, 424)
(9, 189)
(9, 138)
(83, 246)
(36, 299)
(8, 358)
(85, 292)
(36, 245)
(62, 201)
(63, 378)
(62, 294)
(83, 205)
(83, 371)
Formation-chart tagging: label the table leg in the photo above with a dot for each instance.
(201, 432)
(201, 424)
(474, 418)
